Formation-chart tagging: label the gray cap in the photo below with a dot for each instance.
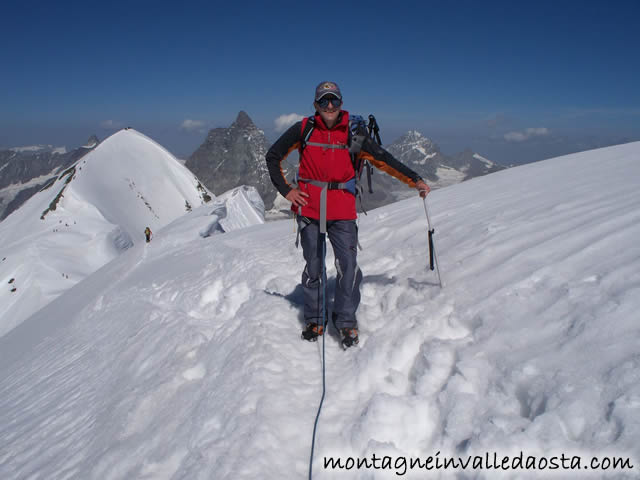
(327, 88)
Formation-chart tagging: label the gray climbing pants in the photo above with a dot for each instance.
(343, 235)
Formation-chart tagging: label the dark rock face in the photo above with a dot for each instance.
(234, 156)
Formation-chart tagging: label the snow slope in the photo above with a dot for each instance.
(183, 360)
(95, 210)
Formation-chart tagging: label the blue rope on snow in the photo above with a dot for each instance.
(324, 332)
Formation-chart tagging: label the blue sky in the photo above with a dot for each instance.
(514, 81)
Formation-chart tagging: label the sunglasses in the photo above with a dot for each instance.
(324, 101)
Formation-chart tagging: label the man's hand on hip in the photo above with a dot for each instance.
(297, 197)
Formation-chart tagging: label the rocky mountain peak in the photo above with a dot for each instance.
(413, 137)
(243, 121)
(234, 156)
(418, 152)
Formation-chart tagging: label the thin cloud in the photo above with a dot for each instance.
(192, 126)
(285, 121)
(526, 134)
(111, 125)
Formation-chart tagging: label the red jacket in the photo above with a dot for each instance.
(329, 165)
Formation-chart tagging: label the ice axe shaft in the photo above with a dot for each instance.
(433, 258)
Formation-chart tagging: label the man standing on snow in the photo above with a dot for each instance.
(324, 201)
(147, 234)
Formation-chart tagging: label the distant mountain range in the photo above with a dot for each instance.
(234, 156)
(424, 157)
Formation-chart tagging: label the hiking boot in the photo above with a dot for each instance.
(349, 337)
(312, 331)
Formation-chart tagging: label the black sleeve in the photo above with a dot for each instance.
(289, 141)
(387, 162)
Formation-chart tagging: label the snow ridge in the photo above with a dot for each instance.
(93, 211)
